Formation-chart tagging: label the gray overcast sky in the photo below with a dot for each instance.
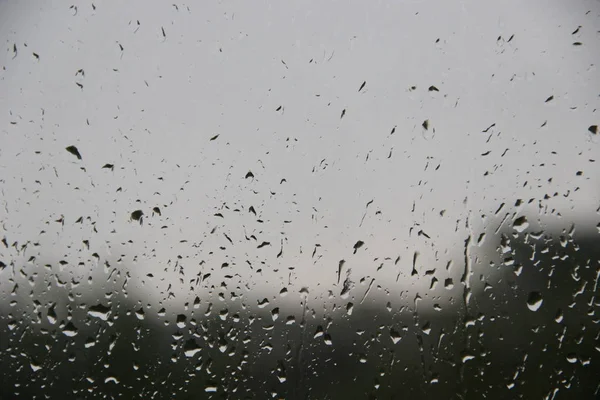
(224, 68)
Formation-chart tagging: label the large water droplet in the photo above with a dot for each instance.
(70, 330)
(140, 314)
(190, 348)
(99, 311)
(35, 366)
(521, 224)
(181, 321)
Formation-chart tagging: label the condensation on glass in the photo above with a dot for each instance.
(300, 200)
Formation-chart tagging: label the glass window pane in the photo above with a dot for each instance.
(307, 200)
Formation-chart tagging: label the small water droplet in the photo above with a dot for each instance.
(73, 150)
(223, 345)
(395, 336)
(281, 377)
(559, 316)
(52, 315)
(35, 366)
(467, 357)
(140, 314)
(534, 301)
(319, 332)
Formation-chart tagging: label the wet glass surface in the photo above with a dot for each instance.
(299, 200)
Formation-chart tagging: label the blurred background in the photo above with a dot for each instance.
(305, 200)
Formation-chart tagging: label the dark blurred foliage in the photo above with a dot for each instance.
(492, 347)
